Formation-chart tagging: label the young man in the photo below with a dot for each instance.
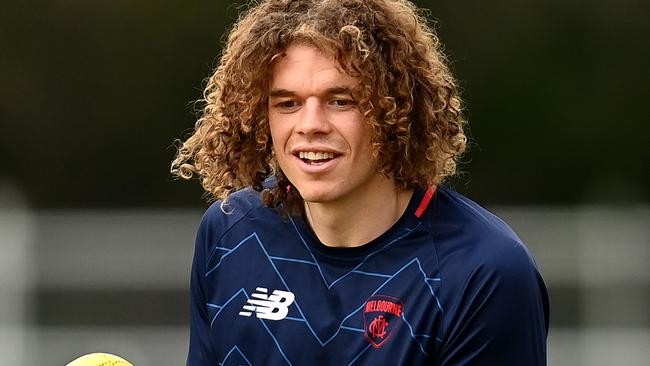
(327, 130)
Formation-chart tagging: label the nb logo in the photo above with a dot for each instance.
(271, 307)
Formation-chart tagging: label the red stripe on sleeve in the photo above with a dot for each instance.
(428, 195)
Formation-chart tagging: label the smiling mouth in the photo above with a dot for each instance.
(311, 157)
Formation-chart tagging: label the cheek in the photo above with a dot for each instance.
(364, 147)
(278, 138)
(275, 133)
(360, 136)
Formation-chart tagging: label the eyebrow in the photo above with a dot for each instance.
(280, 93)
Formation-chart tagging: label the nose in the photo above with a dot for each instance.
(313, 118)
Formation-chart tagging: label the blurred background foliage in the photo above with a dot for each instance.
(94, 93)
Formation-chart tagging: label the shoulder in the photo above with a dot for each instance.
(238, 205)
(473, 243)
(235, 207)
(471, 226)
(239, 209)
(455, 209)
(495, 301)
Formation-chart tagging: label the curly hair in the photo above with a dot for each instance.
(406, 93)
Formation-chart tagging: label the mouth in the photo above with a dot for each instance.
(315, 157)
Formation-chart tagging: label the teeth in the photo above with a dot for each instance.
(311, 155)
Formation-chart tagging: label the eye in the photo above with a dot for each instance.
(343, 103)
(287, 104)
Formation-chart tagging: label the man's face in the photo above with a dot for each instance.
(320, 138)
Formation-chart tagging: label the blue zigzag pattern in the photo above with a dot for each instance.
(232, 350)
(323, 342)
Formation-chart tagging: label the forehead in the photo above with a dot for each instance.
(304, 66)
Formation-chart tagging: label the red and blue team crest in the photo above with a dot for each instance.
(381, 315)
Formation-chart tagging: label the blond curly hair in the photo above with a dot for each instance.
(407, 94)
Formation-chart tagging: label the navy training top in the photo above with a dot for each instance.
(448, 284)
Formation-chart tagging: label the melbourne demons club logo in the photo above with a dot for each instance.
(381, 315)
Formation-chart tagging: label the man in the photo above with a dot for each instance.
(327, 131)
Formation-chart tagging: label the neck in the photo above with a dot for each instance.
(357, 220)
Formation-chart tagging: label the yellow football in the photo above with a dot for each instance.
(99, 359)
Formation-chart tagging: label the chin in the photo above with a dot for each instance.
(317, 194)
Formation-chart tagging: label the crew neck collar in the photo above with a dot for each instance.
(408, 220)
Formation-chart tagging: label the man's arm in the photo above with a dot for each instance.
(200, 349)
(501, 314)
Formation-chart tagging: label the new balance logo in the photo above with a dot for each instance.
(271, 307)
